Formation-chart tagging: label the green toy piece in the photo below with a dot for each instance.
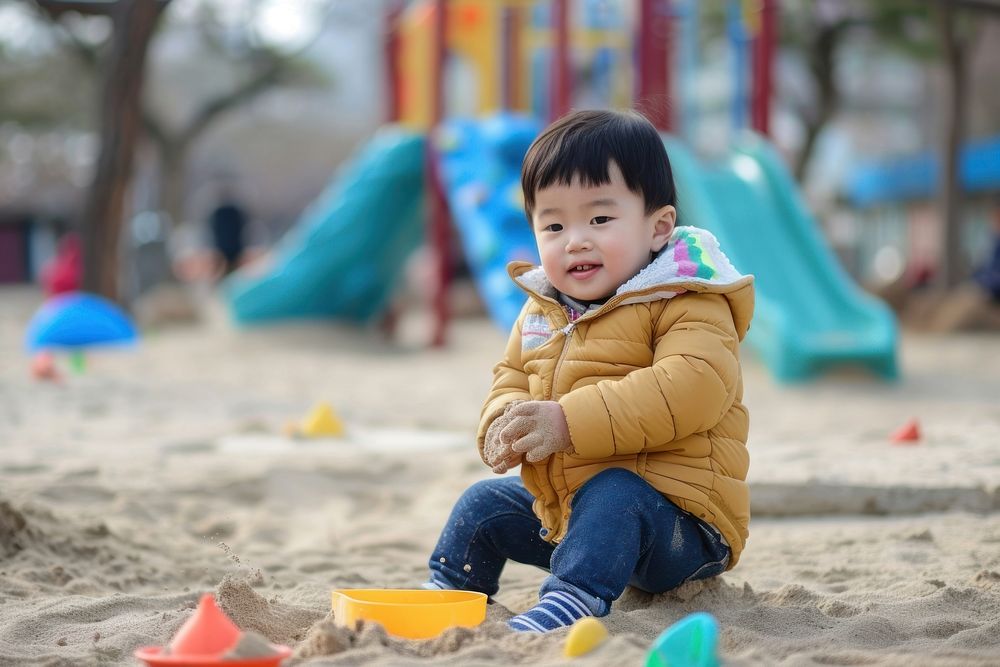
(78, 362)
(692, 641)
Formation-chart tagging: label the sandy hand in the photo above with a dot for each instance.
(498, 453)
(537, 429)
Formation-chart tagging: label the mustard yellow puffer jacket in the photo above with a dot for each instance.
(649, 382)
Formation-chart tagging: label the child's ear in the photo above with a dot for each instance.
(663, 220)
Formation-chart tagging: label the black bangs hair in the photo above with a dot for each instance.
(585, 143)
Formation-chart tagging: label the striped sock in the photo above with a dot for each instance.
(556, 609)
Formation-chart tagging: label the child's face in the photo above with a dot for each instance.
(593, 239)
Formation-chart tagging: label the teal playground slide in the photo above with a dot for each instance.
(810, 314)
(345, 256)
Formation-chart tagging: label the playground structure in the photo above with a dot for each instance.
(346, 255)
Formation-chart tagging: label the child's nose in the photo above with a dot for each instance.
(578, 240)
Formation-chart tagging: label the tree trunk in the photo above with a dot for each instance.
(809, 145)
(822, 66)
(134, 24)
(952, 268)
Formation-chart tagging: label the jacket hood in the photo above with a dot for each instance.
(692, 261)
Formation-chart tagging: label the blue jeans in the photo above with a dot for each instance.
(621, 531)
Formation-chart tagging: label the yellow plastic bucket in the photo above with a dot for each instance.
(413, 614)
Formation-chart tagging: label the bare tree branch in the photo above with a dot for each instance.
(250, 88)
(56, 8)
(274, 70)
(267, 68)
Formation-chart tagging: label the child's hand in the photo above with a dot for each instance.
(537, 429)
(512, 461)
(497, 452)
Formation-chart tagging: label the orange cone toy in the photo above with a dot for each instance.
(907, 434)
(205, 639)
(208, 630)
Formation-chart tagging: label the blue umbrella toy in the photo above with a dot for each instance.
(75, 322)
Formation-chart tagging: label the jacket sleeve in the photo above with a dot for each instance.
(690, 386)
(510, 383)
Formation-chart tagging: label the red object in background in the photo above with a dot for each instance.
(561, 86)
(393, 50)
(764, 45)
(65, 272)
(13, 253)
(907, 434)
(510, 52)
(43, 367)
(439, 231)
(653, 94)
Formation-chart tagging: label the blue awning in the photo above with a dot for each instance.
(916, 177)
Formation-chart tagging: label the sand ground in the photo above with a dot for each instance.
(163, 473)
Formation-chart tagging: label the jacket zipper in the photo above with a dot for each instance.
(567, 332)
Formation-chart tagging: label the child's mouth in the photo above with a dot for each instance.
(584, 270)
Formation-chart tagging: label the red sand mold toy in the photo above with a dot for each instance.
(210, 639)
(907, 434)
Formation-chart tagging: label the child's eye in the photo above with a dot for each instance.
(601, 219)
(554, 227)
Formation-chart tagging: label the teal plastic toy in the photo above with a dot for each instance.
(692, 641)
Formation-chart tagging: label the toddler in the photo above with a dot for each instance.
(619, 394)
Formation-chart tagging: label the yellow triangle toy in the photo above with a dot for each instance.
(322, 422)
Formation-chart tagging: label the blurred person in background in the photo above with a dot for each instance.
(988, 275)
(228, 223)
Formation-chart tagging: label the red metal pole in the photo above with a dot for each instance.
(653, 94)
(393, 15)
(511, 62)
(440, 225)
(439, 46)
(561, 90)
(763, 68)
